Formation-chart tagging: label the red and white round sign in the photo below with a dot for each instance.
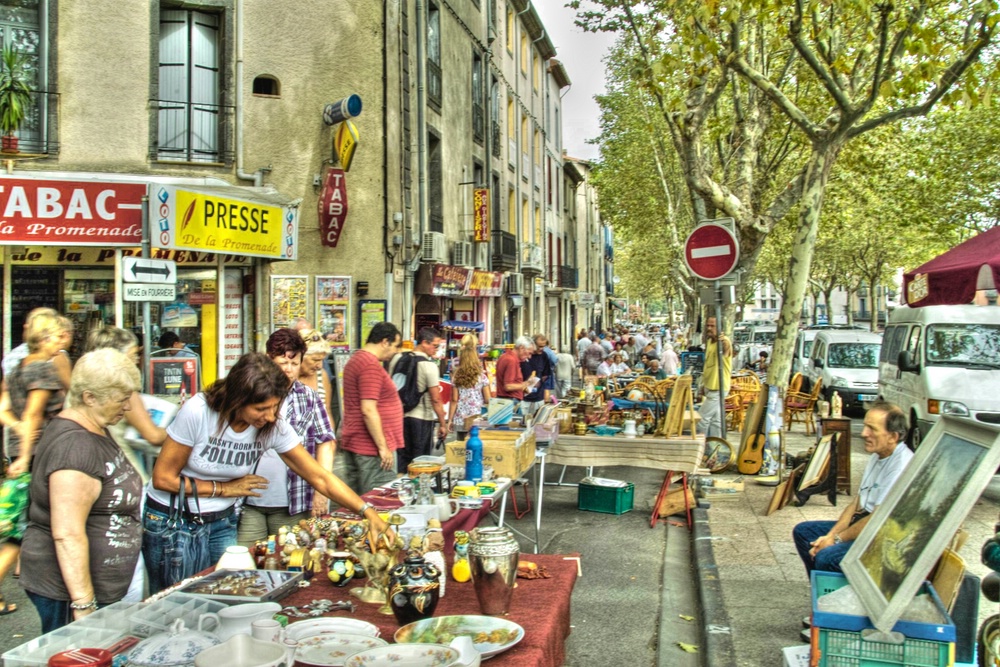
(711, 251)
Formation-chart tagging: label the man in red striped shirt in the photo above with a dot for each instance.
(372, 423)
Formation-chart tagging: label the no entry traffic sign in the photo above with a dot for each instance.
(711, 251)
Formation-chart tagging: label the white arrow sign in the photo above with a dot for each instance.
(140, 292)
(142, 270)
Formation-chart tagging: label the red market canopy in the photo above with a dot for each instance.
(955, 276)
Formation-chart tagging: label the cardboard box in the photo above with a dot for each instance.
(510, 452)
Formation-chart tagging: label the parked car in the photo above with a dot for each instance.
(804, 341)
(847, 362)
(942, 360)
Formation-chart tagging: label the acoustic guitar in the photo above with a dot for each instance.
(753, 438)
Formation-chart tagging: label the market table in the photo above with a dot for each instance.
(540, 606)
(673, 455)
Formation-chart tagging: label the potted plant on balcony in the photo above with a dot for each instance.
(15, 94)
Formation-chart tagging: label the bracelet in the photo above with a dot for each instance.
(364, 508)
(214, 489)
(85, 606)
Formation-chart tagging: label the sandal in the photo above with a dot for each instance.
(6, 608)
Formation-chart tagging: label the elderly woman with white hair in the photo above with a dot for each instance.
(85, 527)
(312, 373)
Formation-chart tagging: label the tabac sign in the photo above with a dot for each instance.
(332, 207)
(192, 220)
(66, 213)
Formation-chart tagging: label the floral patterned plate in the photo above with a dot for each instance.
(333, 650)
(405, 655)
(489, 635)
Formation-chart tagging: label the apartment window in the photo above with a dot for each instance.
(511, 211)
(510, 29)
(537, 147)
(525, 163)
(495, 116)
(478, 101)
(525, 221)
(511, 134)
(536, 70)
(524, 53)
(189, 112)
(434, 56)
(435, 186)
(538, 223)
(267, 86)
(20, 28)
(548, 181)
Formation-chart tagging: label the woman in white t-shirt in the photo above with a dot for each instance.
(215, 442)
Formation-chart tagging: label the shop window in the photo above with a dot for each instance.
(267, 86)
(188, 106)
(478, 99)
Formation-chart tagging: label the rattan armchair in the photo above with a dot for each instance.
(799, 407)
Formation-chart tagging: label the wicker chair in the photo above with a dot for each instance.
(799, 407)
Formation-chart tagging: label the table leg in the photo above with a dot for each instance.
(540, 485)
(664, 489)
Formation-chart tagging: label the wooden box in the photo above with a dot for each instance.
(673, 502)
(509, 452)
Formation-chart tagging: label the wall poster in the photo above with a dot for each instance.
(370, 313)
(333, 310)
(289, 300)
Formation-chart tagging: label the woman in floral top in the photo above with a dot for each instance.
(471, 385)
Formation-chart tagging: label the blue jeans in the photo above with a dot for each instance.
(827, 560)
(54, 613)
(220, 534)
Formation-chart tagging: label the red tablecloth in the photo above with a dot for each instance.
(540, 606)
(464, 519)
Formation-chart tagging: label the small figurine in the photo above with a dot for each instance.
(461, 571)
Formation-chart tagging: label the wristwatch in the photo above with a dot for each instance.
(837, 539)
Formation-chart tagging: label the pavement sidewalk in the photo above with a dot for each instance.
(764, 587)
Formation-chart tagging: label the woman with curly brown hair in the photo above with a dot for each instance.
(472, 387)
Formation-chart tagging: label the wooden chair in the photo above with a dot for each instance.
(795, 384)
(735, 411)
(799, 407)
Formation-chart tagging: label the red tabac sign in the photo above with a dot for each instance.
(332, 207)
(481, 213)
(41, 212)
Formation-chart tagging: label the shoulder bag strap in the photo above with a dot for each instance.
(196, 514)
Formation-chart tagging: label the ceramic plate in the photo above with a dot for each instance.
(405, 655)
(489, 635)
(333, 650)
(299, 630)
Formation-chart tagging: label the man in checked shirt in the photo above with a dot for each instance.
(288, 498)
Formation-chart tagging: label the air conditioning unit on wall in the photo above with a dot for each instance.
(515, 283)
(434, 248)
(482, 256)
(462, 253)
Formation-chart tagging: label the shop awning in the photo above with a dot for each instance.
(955, 276)
(462, 326)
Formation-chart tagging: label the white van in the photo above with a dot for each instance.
(942, 360)
(847, 362)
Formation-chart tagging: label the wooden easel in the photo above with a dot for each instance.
(681, 403)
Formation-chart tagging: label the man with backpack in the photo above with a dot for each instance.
(418, 381)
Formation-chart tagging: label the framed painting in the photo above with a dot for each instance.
(818, 462)
(909, 531)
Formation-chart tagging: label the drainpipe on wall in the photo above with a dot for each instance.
(258, 176)
(422, 202)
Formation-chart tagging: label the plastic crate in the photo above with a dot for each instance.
(159, 616)
(606, 499)
(36, 652)
(838, 639)
(115, 616)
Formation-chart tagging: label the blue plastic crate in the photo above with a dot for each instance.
(827, 582)
(838, 640)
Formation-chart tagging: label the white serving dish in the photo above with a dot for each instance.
(333, 650)
(300, 630)
(406, 655)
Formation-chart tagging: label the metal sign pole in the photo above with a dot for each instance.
(720, 352)
(146, 329)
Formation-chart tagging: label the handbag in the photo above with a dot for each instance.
(185, 541)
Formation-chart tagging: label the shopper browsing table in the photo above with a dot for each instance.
(215, 442)
(84, 533)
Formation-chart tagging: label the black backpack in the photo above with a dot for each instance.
(404, 376)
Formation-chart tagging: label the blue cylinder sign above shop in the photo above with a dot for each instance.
(339, 111)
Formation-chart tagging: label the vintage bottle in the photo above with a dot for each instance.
(474, 456)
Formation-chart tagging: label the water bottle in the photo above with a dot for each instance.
(474, 456)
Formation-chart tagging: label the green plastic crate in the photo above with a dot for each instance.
(606, 499)
(843, 648)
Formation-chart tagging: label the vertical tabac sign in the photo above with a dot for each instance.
(481, 213)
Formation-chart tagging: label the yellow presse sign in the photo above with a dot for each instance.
(201, 221)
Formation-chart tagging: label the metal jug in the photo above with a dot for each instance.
(493, 555)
